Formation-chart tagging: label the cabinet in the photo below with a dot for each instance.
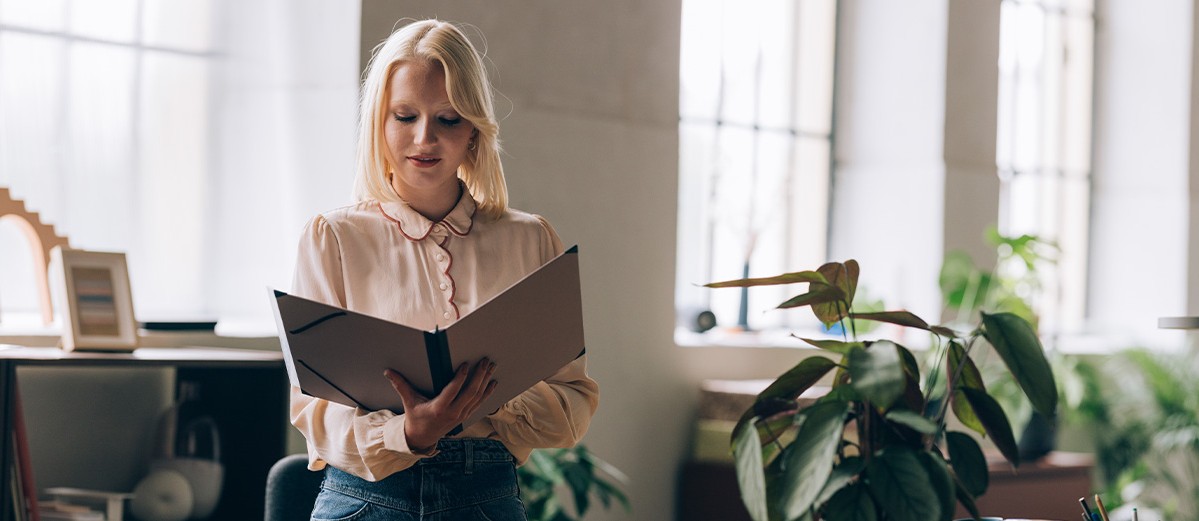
(245, 390)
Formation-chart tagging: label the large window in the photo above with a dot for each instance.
(196, 136)
(1044, 145)
(755, 133)
(104, 126)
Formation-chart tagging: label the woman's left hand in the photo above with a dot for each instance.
(428, 420)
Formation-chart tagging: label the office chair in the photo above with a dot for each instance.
(291, 489)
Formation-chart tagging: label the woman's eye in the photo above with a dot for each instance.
(405, 119)
(449, 122)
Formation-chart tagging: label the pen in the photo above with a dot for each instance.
(1134, 514)
(1086, 509)
(1102, 509)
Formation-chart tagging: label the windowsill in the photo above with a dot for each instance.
(1076, 344)
(776, 338)
(786, 338)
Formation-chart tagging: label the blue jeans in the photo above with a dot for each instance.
(469, 479)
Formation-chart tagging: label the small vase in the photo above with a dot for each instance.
(1039, 437)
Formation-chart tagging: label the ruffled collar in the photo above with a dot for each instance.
(417, 227)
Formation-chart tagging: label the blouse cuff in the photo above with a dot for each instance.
(508, 414)
(394, 438)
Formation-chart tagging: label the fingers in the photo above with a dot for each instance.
(478, 388)
(452, 389)
(408, 395)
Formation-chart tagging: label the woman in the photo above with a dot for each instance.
(430, 238)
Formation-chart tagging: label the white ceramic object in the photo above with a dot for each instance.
(163, 495)
(205, 477)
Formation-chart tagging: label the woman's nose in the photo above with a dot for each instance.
(425, 132)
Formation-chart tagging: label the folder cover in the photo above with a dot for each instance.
(530, 330)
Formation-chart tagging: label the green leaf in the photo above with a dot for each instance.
(903, 486)
(843, 474)
(843, 393)
(1019, 347)
(788, 386)
(798, 379)
(808, 461)
(876, 373)
(943, 331)
(913, 421)
(995, 422)
(902, 318)
(969, 377)
(968, 462)
(835, 346)
(817, 295)
(941, 481)
(786, 278)
(545, 463)
(967, 501)
(912, 395)
(579, 483)
(852, 503)
(771, 429)
(747, 451)
(611, 491)
(842, 276)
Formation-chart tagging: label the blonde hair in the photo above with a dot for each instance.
(470, 95)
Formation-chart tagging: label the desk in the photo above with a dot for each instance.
(245, 390)
(1048, 488)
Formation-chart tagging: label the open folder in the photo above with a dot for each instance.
(530, 330)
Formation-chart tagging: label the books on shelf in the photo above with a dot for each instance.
(530, 330)
(23, 490)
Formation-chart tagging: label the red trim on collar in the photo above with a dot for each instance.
(400, 226)
(448, 225)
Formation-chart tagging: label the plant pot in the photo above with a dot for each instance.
(1038, 438)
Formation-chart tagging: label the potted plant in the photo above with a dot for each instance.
(876, 446)
(553, 473)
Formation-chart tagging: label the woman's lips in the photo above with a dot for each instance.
(423, 161)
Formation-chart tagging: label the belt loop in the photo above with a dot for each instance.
(470, 456)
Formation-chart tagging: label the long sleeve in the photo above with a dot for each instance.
(557, 411)
(368, 444)
(553, 413)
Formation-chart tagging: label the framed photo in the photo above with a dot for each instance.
(95, 302)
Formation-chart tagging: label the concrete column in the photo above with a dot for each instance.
(1143, 112)
(971, 99)
(889, 170)
(915, 175)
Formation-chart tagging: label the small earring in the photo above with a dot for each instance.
(471, 146)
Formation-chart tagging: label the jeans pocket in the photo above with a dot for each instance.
(335, 506)
(502, 509)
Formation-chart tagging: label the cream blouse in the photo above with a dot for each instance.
(387, 260)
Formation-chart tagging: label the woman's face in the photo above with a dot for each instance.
(426, 138)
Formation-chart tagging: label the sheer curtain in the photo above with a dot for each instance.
(197, 136)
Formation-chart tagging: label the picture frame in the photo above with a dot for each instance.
(94, 299)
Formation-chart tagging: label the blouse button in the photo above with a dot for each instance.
(446, 314)
(444, 285)
(440, 257)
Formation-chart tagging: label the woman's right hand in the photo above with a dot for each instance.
(428, 420)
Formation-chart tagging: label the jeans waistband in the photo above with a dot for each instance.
(466, 450)
(464, 472)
